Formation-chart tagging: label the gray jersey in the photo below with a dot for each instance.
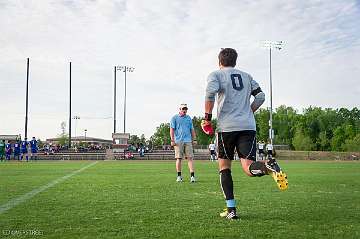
(233, 89)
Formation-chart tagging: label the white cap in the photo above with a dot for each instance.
(183, 106)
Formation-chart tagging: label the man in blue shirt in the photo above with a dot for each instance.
(183, 136)
(34, 148)
(17, 150)
(24, 149)
(8, 150)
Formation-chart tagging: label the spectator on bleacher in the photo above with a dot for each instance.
(141, 151)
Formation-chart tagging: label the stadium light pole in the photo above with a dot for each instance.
(123, 69)
(85, 130)
(69, 105)
(27, 96)
(114, 99)
(277, 45)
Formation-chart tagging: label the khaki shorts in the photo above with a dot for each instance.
(184, 149)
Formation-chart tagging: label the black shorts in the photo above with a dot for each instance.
(261, 151)
(243, 141)
(212, 152)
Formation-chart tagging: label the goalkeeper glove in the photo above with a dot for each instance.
(207, 127)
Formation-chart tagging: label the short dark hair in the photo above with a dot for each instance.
(227, 57)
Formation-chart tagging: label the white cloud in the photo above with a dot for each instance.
(173, 45)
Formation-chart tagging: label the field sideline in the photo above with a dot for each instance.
(140, 199)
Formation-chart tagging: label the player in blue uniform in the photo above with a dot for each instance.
(2, 149)
(24, 149)
(17, 150)
(34, 149)
(8, 150)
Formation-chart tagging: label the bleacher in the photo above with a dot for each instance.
(199, 154)
(155, 155)
(169, 154)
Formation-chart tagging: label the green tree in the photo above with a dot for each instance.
(134, 140)
(284, 122)
(262, 124)
(312, 124)
(314, 129)
(352, 145)
(341, 134)
(161, 135)
(323, 141)
(301, 141)
(142, 139)
(63, 127)
(63, 137)
(328, 121)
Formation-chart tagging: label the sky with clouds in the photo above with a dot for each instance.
(173, 46)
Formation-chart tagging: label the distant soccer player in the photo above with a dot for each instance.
(2, 149)
(34, 149)
(24, 149)
(269, 150)
(212, 148)
(236, 128)
(261, 150)
(183, 136)
(8, 150)
(17, 150)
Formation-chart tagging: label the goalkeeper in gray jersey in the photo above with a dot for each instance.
(236, 127)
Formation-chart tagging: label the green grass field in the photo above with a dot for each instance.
(140, 199)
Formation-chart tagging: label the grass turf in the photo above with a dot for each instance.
(140, 199)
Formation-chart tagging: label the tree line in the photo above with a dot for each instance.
(314, 129)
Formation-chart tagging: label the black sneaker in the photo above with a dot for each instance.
(231, 215)
(277, 174)
(272, 165)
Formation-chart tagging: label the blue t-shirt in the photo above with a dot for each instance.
(182, 126)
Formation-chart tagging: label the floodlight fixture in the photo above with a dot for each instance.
(278, 45)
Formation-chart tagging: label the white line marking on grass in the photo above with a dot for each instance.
(14, 202)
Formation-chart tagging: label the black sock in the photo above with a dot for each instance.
(227, 184)
(192, 174)
(230, 209)
(179, 173)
